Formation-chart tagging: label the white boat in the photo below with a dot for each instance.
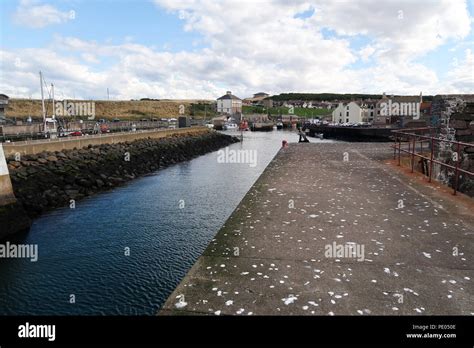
(230, 126)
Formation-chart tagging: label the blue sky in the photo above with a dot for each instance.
(105, 21)
(183, 49)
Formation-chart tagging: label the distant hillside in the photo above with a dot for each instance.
(329, 96)
(136, 109)
(276, 111)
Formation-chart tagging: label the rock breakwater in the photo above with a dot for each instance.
(49, 180)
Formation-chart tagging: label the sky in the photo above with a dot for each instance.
(199, 49)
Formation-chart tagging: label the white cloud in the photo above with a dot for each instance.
(461, 76)
(252, 46)
(366, 52)
(32, 14)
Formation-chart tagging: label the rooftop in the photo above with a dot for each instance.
(229, 95)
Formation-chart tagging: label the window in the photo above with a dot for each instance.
(347, 120)
(347, 113)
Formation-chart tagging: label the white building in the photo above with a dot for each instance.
(354, 112)
(229, 104)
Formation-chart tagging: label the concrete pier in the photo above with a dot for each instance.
(284, 250)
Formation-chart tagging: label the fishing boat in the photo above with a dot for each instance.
(230, 126)
(279, 125)
(262, 126)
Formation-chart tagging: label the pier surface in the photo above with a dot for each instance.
(270, 257)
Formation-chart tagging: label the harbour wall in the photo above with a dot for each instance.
(50, 179)
(36, 146)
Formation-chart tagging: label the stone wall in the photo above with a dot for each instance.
(461, 121)
(52, 179)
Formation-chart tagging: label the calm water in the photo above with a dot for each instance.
(82, 250)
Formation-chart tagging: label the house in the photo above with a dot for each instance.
(257, 99)
(229, 104)
(268, 103)
(354, 112)
(398, 110)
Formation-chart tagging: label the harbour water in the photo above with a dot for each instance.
(124, 251)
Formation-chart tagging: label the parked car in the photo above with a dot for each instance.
(76, 134)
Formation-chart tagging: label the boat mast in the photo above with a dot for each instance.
(52, 95)
(42, 103)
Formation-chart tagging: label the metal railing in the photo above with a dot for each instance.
(411, 141)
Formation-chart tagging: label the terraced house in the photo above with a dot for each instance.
(354, 112)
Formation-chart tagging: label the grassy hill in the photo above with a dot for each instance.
(275, 111)
(137, 109)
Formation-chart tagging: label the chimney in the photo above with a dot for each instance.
(421, 97)
(228, 92)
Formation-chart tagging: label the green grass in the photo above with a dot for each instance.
(275, 111)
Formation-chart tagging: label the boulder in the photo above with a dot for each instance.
(15, 164)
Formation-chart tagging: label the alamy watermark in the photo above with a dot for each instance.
(237, 156)
(348, 250)
(400, 109)
(68, 108)
(28, 330)
(19, 251)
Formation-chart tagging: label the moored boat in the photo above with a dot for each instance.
(230, 126)
(262, 126)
